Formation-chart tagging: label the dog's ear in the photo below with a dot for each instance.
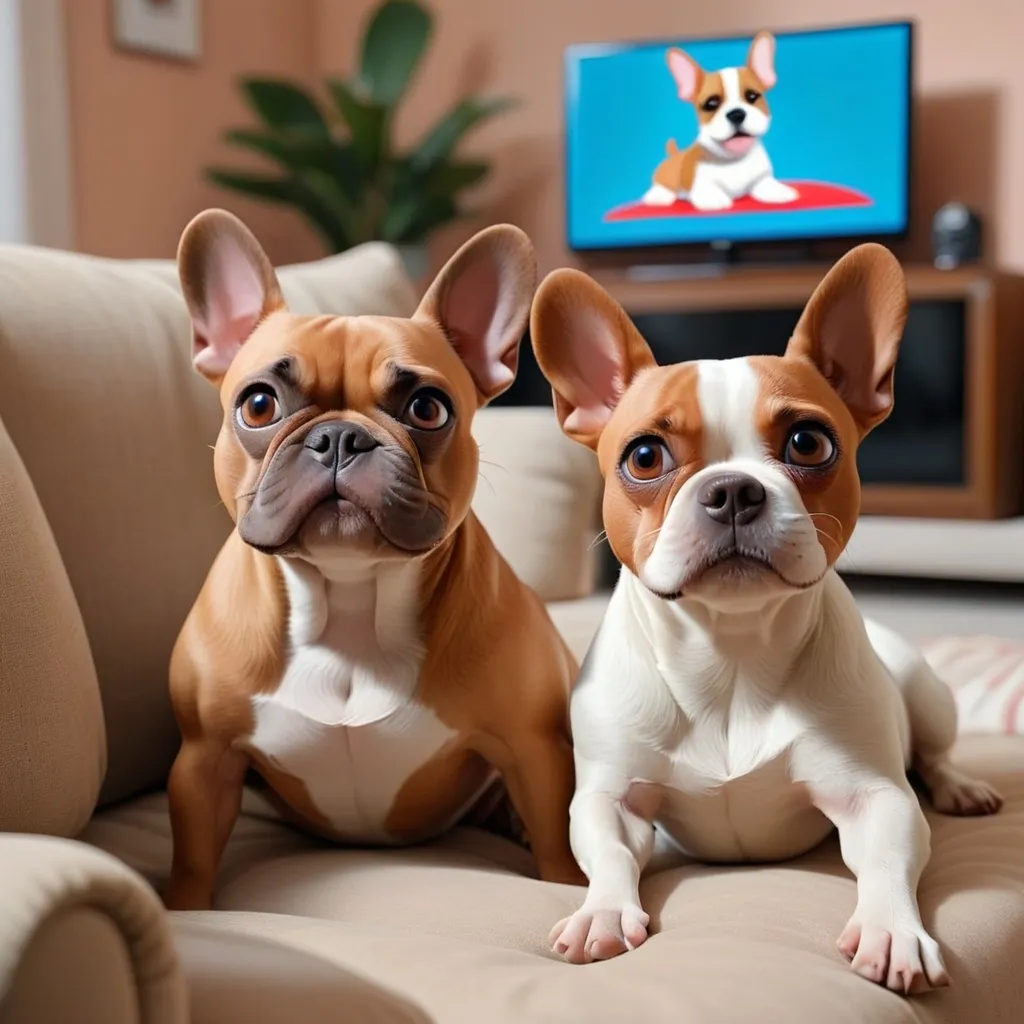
(687, 72)
(229, 286)
(761, 58)
(851, 330)
(481, 300)
(587, 348)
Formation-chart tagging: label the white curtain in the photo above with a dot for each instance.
(13, 196)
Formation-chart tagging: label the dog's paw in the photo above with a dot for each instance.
(710, 200)
(593, 934)
(953, 792)
(659, 195)
(905, 960)
(771, 190)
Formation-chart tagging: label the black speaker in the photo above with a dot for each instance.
(956, 236)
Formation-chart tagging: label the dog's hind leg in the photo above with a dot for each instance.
(931, 711)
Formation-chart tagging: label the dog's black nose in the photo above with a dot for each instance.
(736, 116)
(338, 442)
(733, 498)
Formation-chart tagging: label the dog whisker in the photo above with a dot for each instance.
(599, 539)
(649, 533)
(495, 465)
(827, 536)
(827, 515)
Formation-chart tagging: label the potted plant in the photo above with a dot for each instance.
(336, 164)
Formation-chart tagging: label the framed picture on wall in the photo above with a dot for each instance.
(165, 28)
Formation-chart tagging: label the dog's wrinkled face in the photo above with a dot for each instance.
(728, 481)
(347, 431)
(351, 435)
(731, 105)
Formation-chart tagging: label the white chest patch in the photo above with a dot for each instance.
(345, 720)
(736, 177)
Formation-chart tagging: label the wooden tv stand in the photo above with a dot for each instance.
(988, 304)
(735, 286)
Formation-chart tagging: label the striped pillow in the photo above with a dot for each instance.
(986, 675)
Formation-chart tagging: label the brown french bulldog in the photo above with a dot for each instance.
(359, 641)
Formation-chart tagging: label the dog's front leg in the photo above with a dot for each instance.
(612, 843)
(205, 795)
(540, 785)
(885, 842)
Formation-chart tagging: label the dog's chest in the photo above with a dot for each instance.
(734, 177)
(730, 794)
(344, 729)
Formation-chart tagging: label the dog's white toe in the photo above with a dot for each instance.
(905, 960)
(592, 934)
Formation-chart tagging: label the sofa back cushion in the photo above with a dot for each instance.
(539, 497)
(115, 428)
(52, 750)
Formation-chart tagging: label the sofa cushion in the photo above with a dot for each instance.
(235, 974)
(458, 927)
(539, 497)
(114, 427)
(578, 621)
(52, 747)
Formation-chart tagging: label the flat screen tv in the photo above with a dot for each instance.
(789, 136)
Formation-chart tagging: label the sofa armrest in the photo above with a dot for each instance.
(82, 937)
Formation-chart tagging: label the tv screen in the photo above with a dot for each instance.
(771, 137)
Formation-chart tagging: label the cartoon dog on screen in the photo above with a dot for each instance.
(728, 159)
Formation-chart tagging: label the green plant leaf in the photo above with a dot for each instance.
(288, 192)
(301, 150)
(395, 40)
(399, 216)
(328, 189)
(441, 141)
(415, 199)
(432, 214)
(367, 122)
(282, 106)
(449, 178)
(289, 151)
(412, 217)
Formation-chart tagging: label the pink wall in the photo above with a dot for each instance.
(971, 117)
(143, 128)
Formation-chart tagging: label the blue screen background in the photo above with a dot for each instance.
(839, 115)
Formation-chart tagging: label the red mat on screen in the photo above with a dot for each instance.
(814, 195)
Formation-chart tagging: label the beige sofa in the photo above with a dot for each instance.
(108, 522)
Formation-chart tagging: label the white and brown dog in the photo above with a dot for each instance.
(359, 641)
(728, 160)
(733, 694)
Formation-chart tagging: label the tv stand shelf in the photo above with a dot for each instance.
(734, 287)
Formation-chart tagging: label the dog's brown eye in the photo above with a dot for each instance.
(711, 103)
(809, 446)
(426, 411)
(751, 95)
(259, 409)
(647, 460)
